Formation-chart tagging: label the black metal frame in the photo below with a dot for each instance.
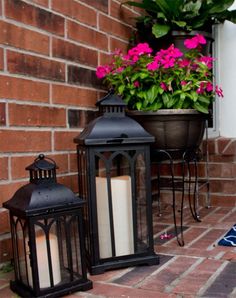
(88, 167)
(47, 225)
(75, 281)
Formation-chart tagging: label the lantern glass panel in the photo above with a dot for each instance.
(20, 248)
(57, 248)
(47, 252)
(121, 202)
(141, 203)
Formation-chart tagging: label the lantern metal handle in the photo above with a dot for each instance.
(43, 157)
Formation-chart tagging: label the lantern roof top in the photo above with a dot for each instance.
(113, 126)
(43, 195)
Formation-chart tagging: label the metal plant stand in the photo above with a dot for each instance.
(187, 181)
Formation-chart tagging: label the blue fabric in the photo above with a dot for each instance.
(230, 238)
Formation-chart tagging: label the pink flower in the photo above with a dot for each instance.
(153, 66)
(207, 60)
(140, 49)
(194, 42)
(168, 62)
(201, 39)
(136, 84)
(219, 91)
(119, 69)
(174, 52)
(163, 86)
(201, 88)
(183, 63)
(102, 71)
(209, 87)
(183, 83)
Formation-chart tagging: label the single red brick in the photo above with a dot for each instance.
(104, 58)
(73, 162)
(34, 16)
(1, 59)
(74, 96)
(76, 11)
(113, 27)
(118, 44)
(21, 89)
(222, 144)
(225, 170)
(87, 36)
(28, 115)
(4, 221)
(25, 141)
(4, 168)
(64, 140)
(24, 39)
(69, 51)
(8, 190)
(226, 186)
(98, 4)
(70, 181)
(35, 66)
(2, 113)
(222, 199)
(6, 250)
(41, 2)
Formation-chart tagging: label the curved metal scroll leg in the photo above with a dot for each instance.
(194, 202)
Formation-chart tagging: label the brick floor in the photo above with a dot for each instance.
(199, 269)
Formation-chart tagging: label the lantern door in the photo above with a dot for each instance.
(115, 181)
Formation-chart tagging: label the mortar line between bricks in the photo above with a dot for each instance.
(226, 215)
(212, 212)
(173, 284)
(212, 278)
(127, 270)
(196, 239)
(140, 283)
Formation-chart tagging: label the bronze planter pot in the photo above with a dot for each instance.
(173, 129)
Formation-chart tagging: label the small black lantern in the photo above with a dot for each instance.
(114, 179)
(47, 235)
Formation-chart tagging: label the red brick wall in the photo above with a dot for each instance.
(49, 50)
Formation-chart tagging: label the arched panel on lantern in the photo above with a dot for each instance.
(114, 179)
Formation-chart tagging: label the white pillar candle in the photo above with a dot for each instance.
(42, 259)
(122, 216)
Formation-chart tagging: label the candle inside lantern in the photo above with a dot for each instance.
(42, 260)
(122, 216)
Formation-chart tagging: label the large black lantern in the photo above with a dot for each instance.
(114, 179)
(47, 235)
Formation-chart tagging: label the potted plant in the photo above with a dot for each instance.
(163, 18)
(168, 82)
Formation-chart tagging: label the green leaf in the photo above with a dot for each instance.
(160, 30)
(181, 24)
(165, 99)
(143, 75)
(152, 93)
(231, 16)
(218, 6)
(204, 100)
(121, 89)
(139, 106)
(200, 108)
